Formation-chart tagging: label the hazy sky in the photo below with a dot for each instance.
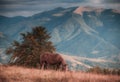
(30, 7)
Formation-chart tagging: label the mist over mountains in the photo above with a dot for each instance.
(87, 33)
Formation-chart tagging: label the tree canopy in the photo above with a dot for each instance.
(28, 51)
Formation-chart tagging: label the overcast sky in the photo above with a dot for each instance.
(30, 7)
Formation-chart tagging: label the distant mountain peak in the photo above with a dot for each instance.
(116, 11)
(80, 10)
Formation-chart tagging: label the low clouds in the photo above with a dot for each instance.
(30, 7)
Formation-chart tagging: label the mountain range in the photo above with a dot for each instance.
(88, 36)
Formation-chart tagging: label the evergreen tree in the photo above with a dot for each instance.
(27, 53)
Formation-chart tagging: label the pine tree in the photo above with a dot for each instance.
(27, 53)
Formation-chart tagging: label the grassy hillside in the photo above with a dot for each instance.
(20, 74)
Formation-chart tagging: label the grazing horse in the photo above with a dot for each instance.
(52, 61)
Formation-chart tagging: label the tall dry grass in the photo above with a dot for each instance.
(21, 74)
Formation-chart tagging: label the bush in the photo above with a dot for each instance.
(99, 70)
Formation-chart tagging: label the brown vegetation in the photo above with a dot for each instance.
(104, 71)
(21, 74)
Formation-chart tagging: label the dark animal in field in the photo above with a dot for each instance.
(52, 61)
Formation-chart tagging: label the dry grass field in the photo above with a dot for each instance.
(20, 74)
